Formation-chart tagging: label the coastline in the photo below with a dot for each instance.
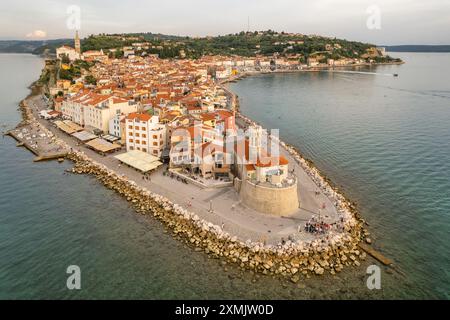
(290, 259)
(309, 69)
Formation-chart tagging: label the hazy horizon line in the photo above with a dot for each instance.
(24, 39)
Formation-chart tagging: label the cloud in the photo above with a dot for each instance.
(37, 34)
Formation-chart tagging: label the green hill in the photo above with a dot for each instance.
(31, 46)
(242, 44)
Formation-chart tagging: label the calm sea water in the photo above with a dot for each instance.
(384, 140)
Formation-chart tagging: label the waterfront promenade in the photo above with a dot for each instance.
(228, 212)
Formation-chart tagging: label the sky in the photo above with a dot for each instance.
(382, 22)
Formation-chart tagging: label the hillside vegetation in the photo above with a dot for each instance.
(246, 44)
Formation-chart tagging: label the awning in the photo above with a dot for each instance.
(62, 126)
(102, 145)
(139, 160)
(84, 135)
(73, 125)
(110, 138)
(68, 126)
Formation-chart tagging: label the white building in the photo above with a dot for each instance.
(222, 73)
(114, 125)
(256, 164)
(94, 111)
(70, 52)
(249, 63)
(144, 132)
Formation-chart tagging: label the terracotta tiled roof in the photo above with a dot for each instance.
(139, 116)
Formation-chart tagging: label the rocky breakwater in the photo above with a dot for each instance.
(294, 260)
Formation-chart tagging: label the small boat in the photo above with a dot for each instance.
(395, 74)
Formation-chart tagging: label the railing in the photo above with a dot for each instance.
(291, 180)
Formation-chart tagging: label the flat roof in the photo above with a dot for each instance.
(139, 160)
(73, 125)
(64, 127)
(68, 126)
(102, 145)
(84, 135)
(110, 138)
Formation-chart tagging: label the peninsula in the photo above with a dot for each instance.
(166, 133)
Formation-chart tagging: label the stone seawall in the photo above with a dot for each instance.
(290, 259)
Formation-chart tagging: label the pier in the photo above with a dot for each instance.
(375, 254)
(42, 143)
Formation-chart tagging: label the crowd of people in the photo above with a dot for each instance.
(317, 226)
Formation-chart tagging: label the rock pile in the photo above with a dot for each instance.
(291, 259)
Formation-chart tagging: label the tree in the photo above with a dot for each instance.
(118, 54)
(65, 59)
(90, 79)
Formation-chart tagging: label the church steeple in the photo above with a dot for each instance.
(77, 43)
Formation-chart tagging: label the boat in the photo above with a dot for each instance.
(395, 74)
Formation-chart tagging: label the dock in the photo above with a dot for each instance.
(39, 141)
(377, 255)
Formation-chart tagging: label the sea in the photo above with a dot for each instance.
(383, 140)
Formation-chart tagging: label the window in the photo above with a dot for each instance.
(144, 142)
(143, 149)
(136, 127)
(155, 136)
(130, 127)
(155, 151)
(137, 141)
(155, 143)
(131, 148)
(131, 133)
(144, 135)
(138, 148)
(137, 134)
(160, 135)
(143, 128)
(131, 140)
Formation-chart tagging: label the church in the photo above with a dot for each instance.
(71, 53)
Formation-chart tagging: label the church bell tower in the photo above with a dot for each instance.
(77, 43)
